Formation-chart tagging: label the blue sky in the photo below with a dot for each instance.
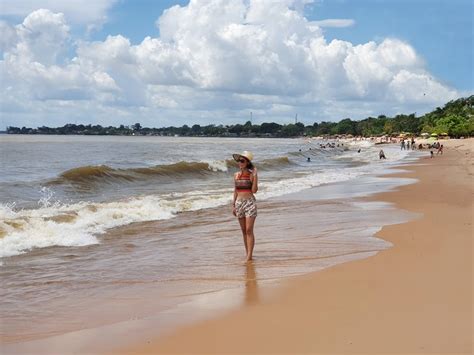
(215, 61)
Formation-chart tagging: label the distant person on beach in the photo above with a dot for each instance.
(308, 160)
(431, 153)
(382, 154)
(402, 145)
(440, 150)
(358, 151)
(244, 203)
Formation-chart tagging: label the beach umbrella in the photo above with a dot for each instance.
(425, 134)
(434, 135)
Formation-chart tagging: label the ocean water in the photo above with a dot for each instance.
(100, 230)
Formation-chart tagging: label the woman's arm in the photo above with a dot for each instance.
(234, 198)
(254, 180)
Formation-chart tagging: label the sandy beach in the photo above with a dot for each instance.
(415, 297)
(236, 177)
(183, 252)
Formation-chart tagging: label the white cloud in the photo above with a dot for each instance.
(412, 86)
(41, 37)
(335, 22)
(30, 69)
(8, 36)
(215, 59)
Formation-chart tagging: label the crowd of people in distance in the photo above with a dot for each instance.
(331, 145)
(405, 144)
(439, 149)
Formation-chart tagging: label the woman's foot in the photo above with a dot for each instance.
(249, 258)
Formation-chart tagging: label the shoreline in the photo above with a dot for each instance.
(256, 284)
(413, 297)
(131, 334)
(147, 317)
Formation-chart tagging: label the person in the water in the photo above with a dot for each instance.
(244, 203)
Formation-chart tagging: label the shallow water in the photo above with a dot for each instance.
(72, 262)
(67, 191)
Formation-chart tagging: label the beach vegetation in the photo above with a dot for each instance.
(456, 119)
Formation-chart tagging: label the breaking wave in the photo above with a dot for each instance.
(181, 170)
(104, 173)
(80, 224)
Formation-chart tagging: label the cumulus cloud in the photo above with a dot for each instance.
(335, 22)
(8, 36)
(32, 70)
(41, 37)
(217, 58)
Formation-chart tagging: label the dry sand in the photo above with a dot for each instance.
(415, 297)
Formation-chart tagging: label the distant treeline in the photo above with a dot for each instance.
(456, 119)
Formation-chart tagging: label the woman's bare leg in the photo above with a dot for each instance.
(250, 221)
(243, 227)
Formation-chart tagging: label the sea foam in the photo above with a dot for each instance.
(79, 224)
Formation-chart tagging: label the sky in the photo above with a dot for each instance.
(163, 63)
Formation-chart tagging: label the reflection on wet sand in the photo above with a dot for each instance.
(251, 287)
(171, 261)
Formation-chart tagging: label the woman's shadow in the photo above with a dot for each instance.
(251, 287)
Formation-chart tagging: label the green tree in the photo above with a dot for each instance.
(453, 125)
(271, 128)
(236, 129)
(324, 128)
(247, 126)
(346, 126)
(196, 129)
(388, 127)
(290, 130)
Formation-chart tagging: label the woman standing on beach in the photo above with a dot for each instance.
(244, 203)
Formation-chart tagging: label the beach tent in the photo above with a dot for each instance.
(434, 135)
(425, 134)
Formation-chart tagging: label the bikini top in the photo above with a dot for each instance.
(243, 182)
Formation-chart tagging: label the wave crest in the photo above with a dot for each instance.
(104, 173)
(275, 162)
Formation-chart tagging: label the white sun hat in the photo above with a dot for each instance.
(246, 154)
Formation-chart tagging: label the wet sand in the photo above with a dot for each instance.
(99, 312)
(415, 297)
